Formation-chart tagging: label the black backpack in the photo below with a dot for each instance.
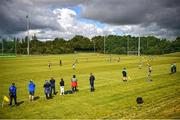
(68, 92)
(65, 92)
(139, 100)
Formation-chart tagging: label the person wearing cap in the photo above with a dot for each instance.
(52, 82)
(124, 73)
(47, 89)
(12, 94)
(31, 90)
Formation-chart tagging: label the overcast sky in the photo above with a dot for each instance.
(66, 18)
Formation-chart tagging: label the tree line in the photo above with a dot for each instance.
(113, 45)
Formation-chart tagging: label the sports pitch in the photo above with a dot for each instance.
(112, 98)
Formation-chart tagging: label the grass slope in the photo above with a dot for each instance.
(112, 98)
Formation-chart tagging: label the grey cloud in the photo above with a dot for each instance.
(13, 14)
(165, 13)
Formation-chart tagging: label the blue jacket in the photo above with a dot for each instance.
(12, 90)
(31, 87)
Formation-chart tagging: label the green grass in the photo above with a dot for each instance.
(112, 98)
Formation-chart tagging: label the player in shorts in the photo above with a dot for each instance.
(31, 90)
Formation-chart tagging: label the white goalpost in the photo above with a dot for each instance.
(134, 52)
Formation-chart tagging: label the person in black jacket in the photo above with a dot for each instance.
(174, 67)
(61, 87)
(52, 82)
(47, 89)
(124, 73)
(91, 80)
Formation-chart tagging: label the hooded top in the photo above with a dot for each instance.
(31, 86)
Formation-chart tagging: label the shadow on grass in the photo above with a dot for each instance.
(19, 103)
(36, 98)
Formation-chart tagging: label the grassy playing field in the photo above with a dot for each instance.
(112, 98)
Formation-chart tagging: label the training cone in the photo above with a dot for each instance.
(129, 78)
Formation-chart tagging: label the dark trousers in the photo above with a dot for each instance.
(92, 86)
(47, 95)
(53, 90)
(174, 69)
(11, 99)
(74, 88)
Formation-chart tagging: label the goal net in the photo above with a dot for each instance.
(7, 47)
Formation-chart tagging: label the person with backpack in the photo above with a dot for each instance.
(61, 87)
(52, 82)
(12, 94)
(74, 83)
(31, 87)
(47, 89)
(91, 80)
(124, 73)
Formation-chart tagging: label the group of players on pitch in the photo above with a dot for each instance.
(49, 86)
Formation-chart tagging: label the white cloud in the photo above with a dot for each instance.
(69, 25)
(72, 26)
(65, 17)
